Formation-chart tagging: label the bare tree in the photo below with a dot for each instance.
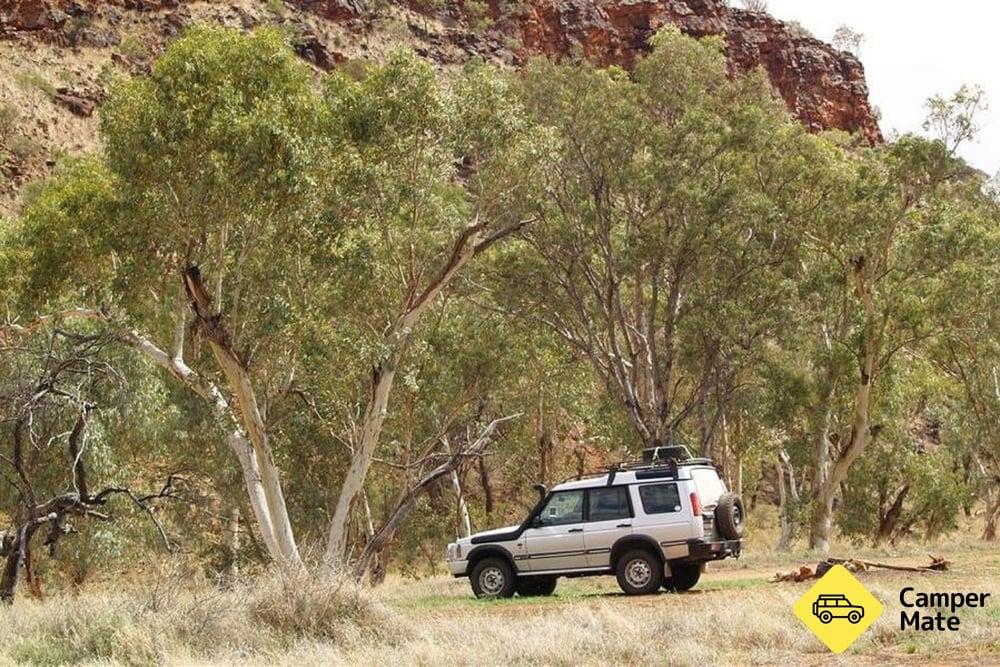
(35, 412)
(754, 5)
(405, 506)
(848, 39)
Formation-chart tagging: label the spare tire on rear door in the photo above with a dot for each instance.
(729, 516)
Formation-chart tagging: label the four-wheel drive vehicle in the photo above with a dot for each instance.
(828, 607)
(651, 523)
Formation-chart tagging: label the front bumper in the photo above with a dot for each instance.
(702, 550)
(458, 568)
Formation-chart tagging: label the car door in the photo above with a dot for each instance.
(555, 542)
(609, 518)
(660, 514)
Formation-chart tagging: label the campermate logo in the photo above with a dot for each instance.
(935, 611)
(838, 609)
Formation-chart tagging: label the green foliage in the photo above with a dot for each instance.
(66, 235)
(134, 47)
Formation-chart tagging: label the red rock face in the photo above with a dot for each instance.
(335, 10)
(824, 87)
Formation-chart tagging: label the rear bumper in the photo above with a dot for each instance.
(702, 550)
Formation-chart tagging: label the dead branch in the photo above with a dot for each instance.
(385, 534)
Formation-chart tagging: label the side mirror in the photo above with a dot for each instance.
(536, 522)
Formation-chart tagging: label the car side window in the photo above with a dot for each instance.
(660, 498)
(563, 507)
(608, 504)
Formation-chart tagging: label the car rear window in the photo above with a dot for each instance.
(709, 486)
(660, 498)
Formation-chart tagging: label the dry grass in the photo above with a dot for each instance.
(733, 617)
(177, 621)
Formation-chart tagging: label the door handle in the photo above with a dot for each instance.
(624, 525)
(575, 530)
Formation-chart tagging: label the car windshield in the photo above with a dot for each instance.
(709, 486)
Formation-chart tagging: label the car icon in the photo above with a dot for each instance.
(828, 607)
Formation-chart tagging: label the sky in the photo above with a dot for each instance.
(915, 49)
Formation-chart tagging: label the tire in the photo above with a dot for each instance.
(825, 617)
(729, 516)
(492, 578)
(535, 586)
(639, 572)
(683, 577)
(854, 617)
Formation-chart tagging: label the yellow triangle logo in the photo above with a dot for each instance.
(838, 609)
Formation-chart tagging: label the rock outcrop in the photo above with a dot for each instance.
(824, 87)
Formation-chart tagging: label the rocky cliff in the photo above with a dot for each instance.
(56, 56)
(824, 87)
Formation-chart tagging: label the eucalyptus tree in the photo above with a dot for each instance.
(880, 237)
(657, 257)
(262, 222)
(968, 350)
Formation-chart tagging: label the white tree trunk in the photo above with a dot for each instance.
(463, 250)
(860, 433)
(233, 544)
(255, 491)
(212, 325)
(268, 475)
(463, 508)
(371, 429)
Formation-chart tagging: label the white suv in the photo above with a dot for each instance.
(652, 523)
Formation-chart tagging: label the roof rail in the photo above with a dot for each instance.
(658, 464)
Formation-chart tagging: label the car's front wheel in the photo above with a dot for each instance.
(492, 578)
(535, 586)
(683, 577)
(639, 572)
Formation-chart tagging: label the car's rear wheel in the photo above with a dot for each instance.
(683, 576)
(492, 578)
(535, 586)
(639, 572)
(729, 516)
(825, 616)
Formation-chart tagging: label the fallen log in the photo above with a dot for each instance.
(856, 565)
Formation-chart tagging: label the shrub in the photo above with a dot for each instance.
(134, 48)
(297, 605)
(9, 116)
(32, 80)
(24, 148)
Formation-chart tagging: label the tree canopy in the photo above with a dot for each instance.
(313, 293)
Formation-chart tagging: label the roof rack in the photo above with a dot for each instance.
(655, 462)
